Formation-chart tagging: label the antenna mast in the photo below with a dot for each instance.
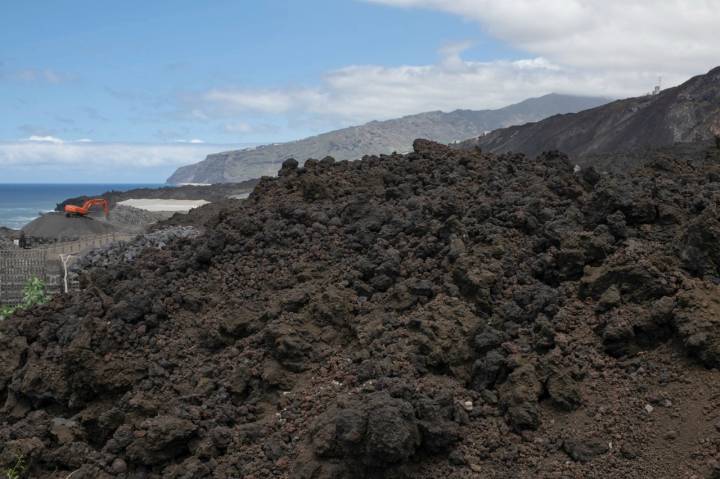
(658, 87)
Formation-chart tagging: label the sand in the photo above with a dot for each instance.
(178, 206)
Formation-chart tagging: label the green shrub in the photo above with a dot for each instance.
(7, 311)
(33, 294)
(18, 469)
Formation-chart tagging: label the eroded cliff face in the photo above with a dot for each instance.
(377, 137)
(438, 314)
(686, 113)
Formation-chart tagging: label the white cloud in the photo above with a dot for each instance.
(45, 139)
(245, 129)
(198, 114)
(101, 155)
(38, 75)
(451, 59)
(676, 37)
(238, 127)
(267, 101)
(194, 141)
(80, 160)
(362, 93)
(611, 48)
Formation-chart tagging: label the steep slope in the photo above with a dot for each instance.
(376, 137)
(680, 114)
(695, 152)
(440, 314)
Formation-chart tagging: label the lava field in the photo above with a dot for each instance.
(442, 313)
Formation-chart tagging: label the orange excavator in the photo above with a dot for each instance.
(84, 210)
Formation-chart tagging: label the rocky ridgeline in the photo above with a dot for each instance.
(686, 113)
(438, 314)
(376, 137)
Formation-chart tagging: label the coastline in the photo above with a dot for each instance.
(21, 203)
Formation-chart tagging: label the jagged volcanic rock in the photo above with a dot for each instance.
(439, 314)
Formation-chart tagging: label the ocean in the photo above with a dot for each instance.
(22, 203)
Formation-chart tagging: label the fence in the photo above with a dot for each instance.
(18, 266)
(83, 244)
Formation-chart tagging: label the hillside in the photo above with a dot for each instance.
(438, 314)
(376, 137)
(684, 113)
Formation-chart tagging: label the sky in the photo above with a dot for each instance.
(128, 91)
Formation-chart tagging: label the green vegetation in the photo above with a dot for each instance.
(6, 311)
(18, 469)
(33, 294)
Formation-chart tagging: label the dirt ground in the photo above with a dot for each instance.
(437, 314)
(59, 226)
(155, 205)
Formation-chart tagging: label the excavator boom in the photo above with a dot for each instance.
(84, 210)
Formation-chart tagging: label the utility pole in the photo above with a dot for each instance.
(65, 259)
(658, 87)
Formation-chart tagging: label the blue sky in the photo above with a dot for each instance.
(127, 91)
(128, 71)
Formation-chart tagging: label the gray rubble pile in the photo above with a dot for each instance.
(127, 251)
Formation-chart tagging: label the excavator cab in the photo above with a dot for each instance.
(84, 210)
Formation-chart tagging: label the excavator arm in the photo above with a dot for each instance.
(97, 202)
(85, 208)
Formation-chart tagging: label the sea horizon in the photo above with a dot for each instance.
(75, 183)
(21, 203)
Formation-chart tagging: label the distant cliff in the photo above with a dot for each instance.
(686, 113)
(376, 137)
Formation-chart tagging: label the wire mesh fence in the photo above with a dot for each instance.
(48, 263)
(16, 268)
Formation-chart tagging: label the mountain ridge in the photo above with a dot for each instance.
(376, 137)
(685, 113)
